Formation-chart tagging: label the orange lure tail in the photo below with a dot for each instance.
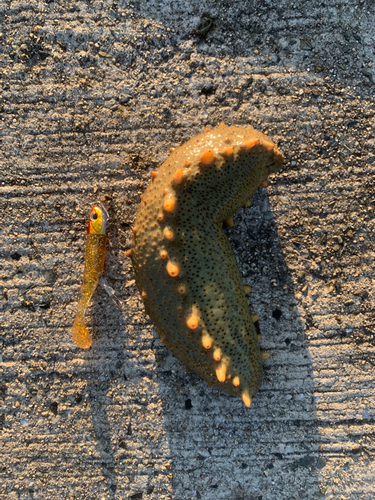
(94, 266)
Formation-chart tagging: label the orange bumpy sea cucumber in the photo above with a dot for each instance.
(184, 265)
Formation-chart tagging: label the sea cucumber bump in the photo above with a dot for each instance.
(277, 158)
(135, 229)
(222, 124)
(207, 158)
(264, 184)
(268, 146)
(154, 174)
(178, 177)
(128, 253)
(247, 203)
(228, 151)
(163, 254)
(170, 203)
(207, 129)
(168, 233)
(229, 221)
(254, 318)
(183, 259)
(192, 321)
(217, 354)
(246, 398)
(173, 269)
(221, 371)
(246, 289)
(206, 341)
(248, 145)
(265, 355)
(171, 150)
(144, 294)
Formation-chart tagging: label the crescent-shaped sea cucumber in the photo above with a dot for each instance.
(184, 266)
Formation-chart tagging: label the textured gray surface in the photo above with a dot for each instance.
(93, 95)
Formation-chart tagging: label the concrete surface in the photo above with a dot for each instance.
(93, 95)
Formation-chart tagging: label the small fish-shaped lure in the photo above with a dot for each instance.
(94, 266)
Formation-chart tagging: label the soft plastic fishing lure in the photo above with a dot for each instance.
(94, 266)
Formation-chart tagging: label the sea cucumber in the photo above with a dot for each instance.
(184, 266)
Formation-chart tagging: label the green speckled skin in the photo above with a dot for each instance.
(208, 275)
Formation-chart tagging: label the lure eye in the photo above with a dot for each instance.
(94, 216)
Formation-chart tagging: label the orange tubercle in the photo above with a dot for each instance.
(192, 322)
(264, 184)
(154, 174)
(207, 129)
(277, 157)
(163, 254)
(187, 163)
(173, 269)
(171, 149)
(247, 145)
(217, 354)
(227, 140)
(230, 221)
(221, 371)
(206, 340)
(178, 177)
(222, 124)
(268, 146)
(246, 398)
(168, 233)
(236, 381)
(207, 158)
(135, 229)
(228, 151)
(170, 203)
(144, 294)
(128, 253)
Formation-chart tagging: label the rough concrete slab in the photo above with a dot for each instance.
(93, 95)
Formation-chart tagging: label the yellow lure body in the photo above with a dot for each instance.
(94, 267)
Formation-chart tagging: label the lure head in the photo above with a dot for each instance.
(99, 217)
